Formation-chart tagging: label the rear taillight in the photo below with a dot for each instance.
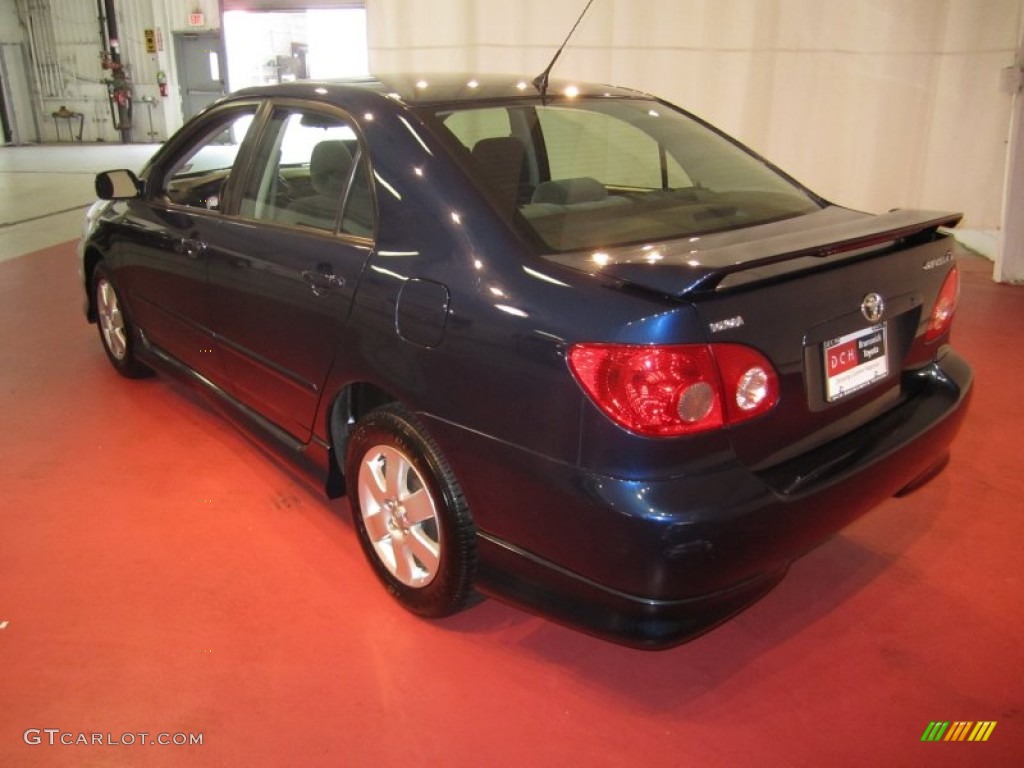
(749, 384)
(680, 389)
(945, 307)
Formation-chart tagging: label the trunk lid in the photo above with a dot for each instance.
(724, 260)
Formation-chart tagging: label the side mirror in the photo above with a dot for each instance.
(117, 185)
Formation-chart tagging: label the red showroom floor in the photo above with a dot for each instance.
(160, 575)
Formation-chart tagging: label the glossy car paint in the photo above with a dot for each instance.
(450, 311)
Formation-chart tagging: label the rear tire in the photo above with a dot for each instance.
(410, 514)
(115, 327)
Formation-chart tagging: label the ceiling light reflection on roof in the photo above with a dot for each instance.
(321, 91)
(473, 84)
(456, 217)
(600, 258)
(422, 84)
(572, 91)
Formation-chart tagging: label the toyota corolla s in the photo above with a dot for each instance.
(573, 347)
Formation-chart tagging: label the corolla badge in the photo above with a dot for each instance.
(938, 262)
(873, 307)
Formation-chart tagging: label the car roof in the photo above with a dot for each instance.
(440, 88)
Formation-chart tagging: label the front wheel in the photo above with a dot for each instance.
(114, 326)
(410, 514)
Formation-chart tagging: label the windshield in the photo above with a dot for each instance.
(604, 172)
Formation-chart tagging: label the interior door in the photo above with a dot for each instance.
(201, 70)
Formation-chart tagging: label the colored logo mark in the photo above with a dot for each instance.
(962, 730)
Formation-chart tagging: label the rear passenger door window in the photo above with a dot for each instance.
(309, 171)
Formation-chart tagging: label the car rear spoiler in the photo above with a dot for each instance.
(728, 261)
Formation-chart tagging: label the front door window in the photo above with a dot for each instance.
(198, 177)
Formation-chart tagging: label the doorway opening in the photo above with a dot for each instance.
(267, 47)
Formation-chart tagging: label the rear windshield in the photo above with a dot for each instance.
(593, 173)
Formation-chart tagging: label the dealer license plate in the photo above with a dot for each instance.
(855, 361)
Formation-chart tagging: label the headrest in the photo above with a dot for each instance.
(499, 149)
(329, 166)
(570, 191)
(502, 160)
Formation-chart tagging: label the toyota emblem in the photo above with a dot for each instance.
(873, 307)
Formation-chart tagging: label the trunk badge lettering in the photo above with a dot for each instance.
(873, 307)
(939, 261)
(724, 325)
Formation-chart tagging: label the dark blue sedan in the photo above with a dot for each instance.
(575, 348)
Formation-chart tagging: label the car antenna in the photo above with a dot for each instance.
(541, 81)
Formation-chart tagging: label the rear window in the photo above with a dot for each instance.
(597, 173)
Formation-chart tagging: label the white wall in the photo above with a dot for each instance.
(1010, 257)
(10, 32)
(875, 104)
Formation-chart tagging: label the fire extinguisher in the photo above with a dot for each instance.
(161, 80)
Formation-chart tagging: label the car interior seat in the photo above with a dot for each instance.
(502, 159)
(329, 168)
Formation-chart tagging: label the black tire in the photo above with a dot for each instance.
(410, 514)
(115, 327)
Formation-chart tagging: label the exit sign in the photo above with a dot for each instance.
(196, 19)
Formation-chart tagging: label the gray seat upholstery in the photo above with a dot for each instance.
(329, 168)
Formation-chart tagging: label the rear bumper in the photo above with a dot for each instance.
(654, 563)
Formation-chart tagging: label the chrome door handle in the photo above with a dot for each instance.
(188, 247)
(322, 279)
